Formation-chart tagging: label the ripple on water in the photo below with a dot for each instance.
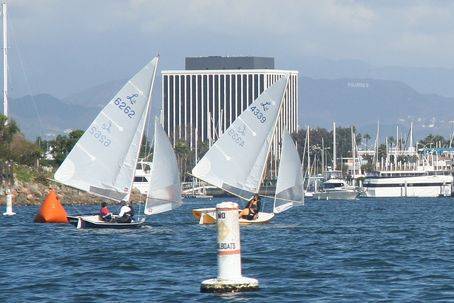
(368, 250)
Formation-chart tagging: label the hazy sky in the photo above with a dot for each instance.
(68, 45)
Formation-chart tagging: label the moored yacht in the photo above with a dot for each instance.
(142, 176)
(335, 188)
(412, 183)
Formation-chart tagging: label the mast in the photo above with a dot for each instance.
(323, 156)
(397, 139)
(5, 61)
(209, 130)
(410, 146)
(308, 153)
(196, 145)
(377, 143)
(147, 110)
(353, 154)
(334, 146)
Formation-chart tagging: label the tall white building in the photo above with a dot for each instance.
(200, 102)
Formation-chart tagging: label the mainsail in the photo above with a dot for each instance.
(164, 191)
(103, 161)
(289, 185)
(236, 162)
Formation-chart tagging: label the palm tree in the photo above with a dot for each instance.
(182, 152)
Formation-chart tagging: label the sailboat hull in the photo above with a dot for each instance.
(93, 221)
(208, 216)
(336, 195)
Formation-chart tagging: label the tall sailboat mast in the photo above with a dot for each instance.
(376, 144)
(5, 61)
(308, 152)
(323, 156)
(334, 146)
(353, 154)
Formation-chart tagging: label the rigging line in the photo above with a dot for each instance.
(27, 82)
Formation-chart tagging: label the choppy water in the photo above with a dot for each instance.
(368, 250)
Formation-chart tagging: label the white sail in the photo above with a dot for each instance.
(103, 161)
(289, 186)
(236, 162)
(164, 191)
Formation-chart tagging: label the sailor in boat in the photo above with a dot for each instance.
(105, 213)
(251, 211)
(126, 213)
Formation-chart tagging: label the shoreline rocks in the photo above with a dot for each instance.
(33, 193)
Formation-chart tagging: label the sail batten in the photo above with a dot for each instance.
(245, 145)
(164, 190)
(289, 185)
(103, 160)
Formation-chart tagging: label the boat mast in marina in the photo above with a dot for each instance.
(308, 152)
(323, 156)
(353, 155)
(376, 145)
(5, 61)
(334, 146)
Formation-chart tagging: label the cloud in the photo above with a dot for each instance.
(78, 43)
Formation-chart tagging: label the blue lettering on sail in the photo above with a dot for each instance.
(237, 138)
(126, 109)
(100, 134)
(132, 98)
(265, 105)
(258, 113)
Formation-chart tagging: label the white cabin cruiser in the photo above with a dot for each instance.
(336, 188)
(414, 183)
(142, 177)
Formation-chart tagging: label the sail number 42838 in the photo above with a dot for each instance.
(258, 113)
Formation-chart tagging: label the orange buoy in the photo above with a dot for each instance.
(51, 210)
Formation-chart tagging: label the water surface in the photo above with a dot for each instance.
(367, 250)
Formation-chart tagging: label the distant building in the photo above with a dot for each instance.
(202, 100)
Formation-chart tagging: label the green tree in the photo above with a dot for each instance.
(183, 153)
(8, 128)
(434, 140)
(24, 152)
(62, 145)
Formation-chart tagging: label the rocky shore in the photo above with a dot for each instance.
(34, 193)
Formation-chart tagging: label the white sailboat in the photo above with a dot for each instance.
(164, 191)
(236, 162)
(104, 159)
(289, 185)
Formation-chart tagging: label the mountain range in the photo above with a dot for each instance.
(358, 101)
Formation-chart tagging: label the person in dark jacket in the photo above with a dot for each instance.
(251, 211)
